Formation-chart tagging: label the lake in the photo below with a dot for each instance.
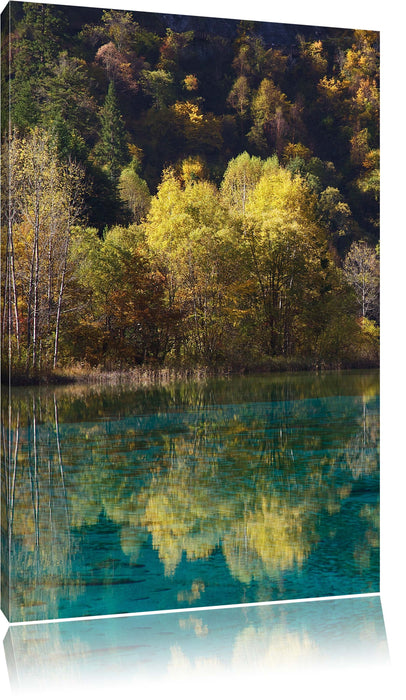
(201, 493)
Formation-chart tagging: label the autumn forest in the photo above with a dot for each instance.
(187, 192)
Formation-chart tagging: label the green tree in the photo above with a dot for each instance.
(120, 27)
(68, 108)
(171, 50)
(239, 99)
(310, 68)
(112, 149)
(123, 322)
(271, 113)
(134, 191)
(249, 51)
(159, 85)
(37, 40)
(335, 214)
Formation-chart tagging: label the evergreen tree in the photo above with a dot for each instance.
(112, 148)
(39, 37)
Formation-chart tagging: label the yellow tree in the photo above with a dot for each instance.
(188, 231)
(241, 176)
(239, 96)
(47, 199)
(37, 177)
(9, 220)
(288, 251)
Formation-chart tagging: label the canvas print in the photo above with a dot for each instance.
(189, 311)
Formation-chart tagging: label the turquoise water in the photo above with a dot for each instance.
(224, 491)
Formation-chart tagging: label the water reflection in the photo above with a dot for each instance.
(139, 649)
(218, 492)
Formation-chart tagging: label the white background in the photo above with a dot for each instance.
(387, 17)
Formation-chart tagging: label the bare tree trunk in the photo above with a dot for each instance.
(257, 271)
(6, 301)
(10, 187)
(36, 293)
(29, 309)
(53, 224)
(14, 289)
(10, 308)
(61, 290)
(71, 179)
(49, 290)
(33, 201)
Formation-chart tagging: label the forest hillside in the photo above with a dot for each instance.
(182, 192)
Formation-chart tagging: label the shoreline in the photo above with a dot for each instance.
(147, 375)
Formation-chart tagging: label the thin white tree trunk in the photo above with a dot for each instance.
(60, 296)
(14, 289)
(36, 294)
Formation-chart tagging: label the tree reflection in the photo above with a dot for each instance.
(254, 480)
(37, 526)
(256, 491)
